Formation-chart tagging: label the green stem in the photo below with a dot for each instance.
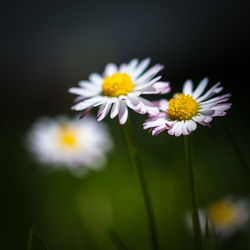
(195, 214)
(40, 238)
(30, 238)
(140, 174)
(118, 242)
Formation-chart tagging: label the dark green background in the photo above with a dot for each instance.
(49, 47)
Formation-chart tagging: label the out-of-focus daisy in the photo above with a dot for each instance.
(120, 87)
(224, 217)
(72, 143)
(181, 114)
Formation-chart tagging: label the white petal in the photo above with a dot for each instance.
(215, 100)
(132, 65)
(179, 128)
(162, 87)
(103, 111)
(81, 105)
(123, 68)
(211, 92)
(110, 69)
(123, 113)
(152, 123)
(163, 105)
(114, 110)
(172, 129)
(223, 107)
(141, 67)
(202, 119)
(150, 107)
(200, 88)
(133, 103)
(148, 84)
(188, 87)
(191, 126)
(89, 85)
(89, 102)
(96, 78)
(206, 112)
(156, 131)
(185, 128)
(149, 74)
(82, 92)
(85, 113)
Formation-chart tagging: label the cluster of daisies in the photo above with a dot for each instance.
(121, 87)
(81, 144)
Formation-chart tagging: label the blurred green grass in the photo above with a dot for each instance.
(77, 213)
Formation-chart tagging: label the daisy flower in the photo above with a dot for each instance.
(224, 217)
(120, 87)
(181, 114)
(63, 142)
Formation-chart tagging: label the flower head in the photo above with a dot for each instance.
(120, 87)
(72, 143)
(181, 114)
(223, 217)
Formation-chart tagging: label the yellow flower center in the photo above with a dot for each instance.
(222, 213)
(117, 84)
(182, 107)
(68, 137)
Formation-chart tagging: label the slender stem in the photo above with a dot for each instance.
(30, 238)
(40, 238)
(118, 242)
(140, 174)
(195, 214)
(235, 146)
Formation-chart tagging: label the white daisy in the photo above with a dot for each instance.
(223, 217)
(120, 87)
(227, 216)
(72, 143)
(181, 114)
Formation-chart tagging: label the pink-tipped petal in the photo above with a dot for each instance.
(81, 105)
(123, 113)
(103, 111)
(141, 67)
(156, 131)
(211, 92)
(85, 113)
(162, 87)
(132, 65)
(149, 106)
(191, 126)
(114, 110)
(148, 75)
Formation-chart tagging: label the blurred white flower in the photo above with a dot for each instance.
(227, 216)
(223, 217)
(120, 87)
(71, 143)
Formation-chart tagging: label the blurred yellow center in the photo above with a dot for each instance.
(182, 107)
(117, 84)
(68, 137)
(222, 212)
